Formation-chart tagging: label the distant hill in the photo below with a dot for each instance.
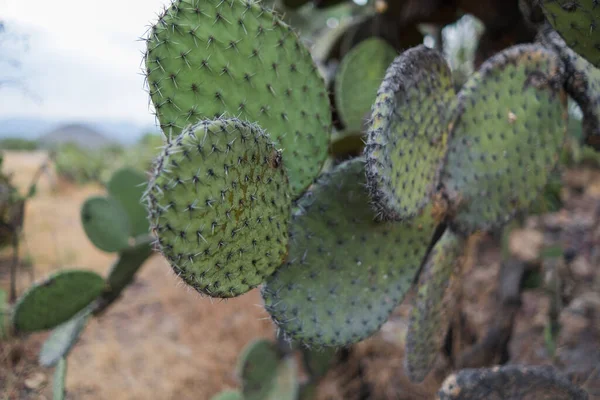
(125, 132)
(79, 134)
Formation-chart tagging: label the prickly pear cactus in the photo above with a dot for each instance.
(63, 338)
(407, 134)
(509, 382)
(228, 395)
(582, 83)
(59, 380)
(345, 272)
(127, 186)
(106, 223)
(359, 75)
(219, 204)
(507, 128)
(432, 311)
(578, 22)
(56, 299)
(234, 58)
(266, 374)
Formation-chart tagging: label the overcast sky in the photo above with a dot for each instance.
(82, 59)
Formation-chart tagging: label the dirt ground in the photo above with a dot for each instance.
(163, 341)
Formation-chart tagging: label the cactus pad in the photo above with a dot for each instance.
(63, 338)
(219, 203)
(59, 380)
(433, 308)
(509, 382)
(407, 135)
(228, 395)
(578, 22)
(507, 128)
(237, 59)
(266, 374)
(124, 269)
(582, 84)
(55, 300)
(360, 74)
(127, 186)
(317, 362)
(106, 223)
(345, 272)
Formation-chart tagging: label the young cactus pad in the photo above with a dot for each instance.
(509, 382)
(359, 76)
(63, 338)
(235, 58)
(582, 84)
(266, 374)
(434, 304)
(507, 128)
(407, 135)
(55, 300)
(106, 223)
(578, 22)
(219, 204)
(345, 272)
(127, 186)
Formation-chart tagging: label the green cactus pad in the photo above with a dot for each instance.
(317, 362)
(127, 186)
(582, 84)
(507, 128)
(407, 134)
(360, 74)
(345, 272)
(236, 59)
(509, 382)
(124, 269)
(266, 374)
(228, 395)
(433, 308)
(63, 338)
(59, 380)
(55, 300)
(578, 22)
(106, 223)
(219, 203)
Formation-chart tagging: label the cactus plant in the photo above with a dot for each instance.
(358, 78)
(238, 59)
(578, 23)
(433, 307)
(63, 338)
(339, 259)
(59, 379)
(106, 223)
(407, 135)
(56, 299)
(127, 186)
(509, 382)
(507, 128)
(219, 202)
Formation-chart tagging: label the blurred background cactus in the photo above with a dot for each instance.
(344, 157)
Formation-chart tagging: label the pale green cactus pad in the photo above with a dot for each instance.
(509, 382)
(434, 305)
(127, 186)
(63, 338)
(228, 395)
(407, 135)
(507, 128)
(345, 272)
(106, 223)
(266, 374)
(356, 82)
(578, 22)
(55, 300)
(59, 380)
(317, 362)
(219, 204)
(236, 59)
(582, 84)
